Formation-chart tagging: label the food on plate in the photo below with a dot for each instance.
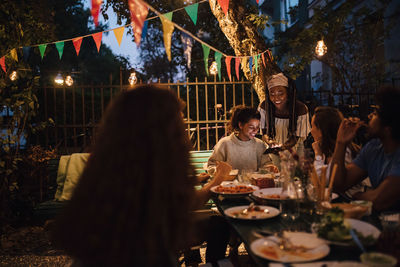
(272, 168)
(263, 180)
(273, 196)
(351, 210)
(251, 212)
(334, 228)
(237, 189)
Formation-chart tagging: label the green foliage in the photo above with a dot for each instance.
(262, 21)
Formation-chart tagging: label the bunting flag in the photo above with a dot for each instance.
(14, 54)
(25, 52)
(60, 48)
(217, 57)
(243, 62)
(228, 66)
(119, 33)
(97, 39)
(237, 63)
(139, 11)
(257, 1)
(224, 5)
(42, 48)
(96, 5)
(256, 63)
(144, 31)
(187, 43)
(251, 65)
(206, 52)
(192, 12)
(3, 63)
(168, 28)
(270, 55)
(263, 59)
(77, 44)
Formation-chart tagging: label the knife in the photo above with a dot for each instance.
(357, 240)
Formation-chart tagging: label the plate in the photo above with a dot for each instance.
(313, 248)
(234, 189)
(265, 212)
(273, 193)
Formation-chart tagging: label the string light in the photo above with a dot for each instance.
(132, 79)
(69, 81)
(59, 79)
(213, 68)
(13, 76)
(321, 48)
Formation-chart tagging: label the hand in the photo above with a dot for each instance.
(222, 172)
(202, 177)
(317, 148)
(348, 130)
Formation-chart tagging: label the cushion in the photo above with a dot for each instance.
(75, 168)
(61, 175)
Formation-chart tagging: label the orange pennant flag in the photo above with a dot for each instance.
(237, 63)
(77, 44)
(96, 5)
(139, 11)
(3, 63)
(119, 33)
(224, 5)
(263, 59)
(97, 39)
(228, 66)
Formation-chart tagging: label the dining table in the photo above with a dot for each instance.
(251, 230)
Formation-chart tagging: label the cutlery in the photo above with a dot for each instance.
(357, 240)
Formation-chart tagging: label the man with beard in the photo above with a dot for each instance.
(379, 159)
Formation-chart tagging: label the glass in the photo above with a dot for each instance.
(390, 221)
(245, 176)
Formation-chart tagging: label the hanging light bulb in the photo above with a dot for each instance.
(213, 68)
(132, 79)
(13, 75)
(321, 48)
(59, 79)
(69, 81)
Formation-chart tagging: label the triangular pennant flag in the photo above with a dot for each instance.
(144, 31)
(168, 28)
(251, 65)
(26, 51)
(96, 5)
(42, 48)
(139, 11)
(77, 44)
(256, 63)
(224, 5)
(257, 1)
(237, 63)
(192, 12)
(243, 62)
(97, 39)
(270, 56)
(206, 52)
(60, 48)
(217, 57)
(187, 44)
(228, 66)
(119, 33)
(3, 63)
(263, 59)
(14, 54)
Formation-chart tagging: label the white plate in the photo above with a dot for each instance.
(232, 185)
(263, 193)
(265, 212)
(268, 248)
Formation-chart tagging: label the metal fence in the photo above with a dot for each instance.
(77, 110)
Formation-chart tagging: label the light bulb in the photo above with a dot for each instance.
(321, 48)
(213, 68)
(59, 79)
(13, 76)
(132, 79)
(69, 81)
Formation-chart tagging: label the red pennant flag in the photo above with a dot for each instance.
(77, 44)
(263, 59)
(139, 11)
(269, 55)
(237, 63)
(97, 39)
(224, 5)
(257, 1)
(228, 67)
(96, 5)
(3, 63)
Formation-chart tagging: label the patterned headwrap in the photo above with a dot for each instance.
(277, 80)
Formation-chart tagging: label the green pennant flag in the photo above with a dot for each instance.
(192, 12)
(256, 62)
(206, 52)
(217, 57)
(60, 48)
(168, 15)
(42, 48)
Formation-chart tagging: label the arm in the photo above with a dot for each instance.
(385, 195)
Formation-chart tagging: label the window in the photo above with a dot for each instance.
(291, 11)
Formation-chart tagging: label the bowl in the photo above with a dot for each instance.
(376, 259)
(351, 210)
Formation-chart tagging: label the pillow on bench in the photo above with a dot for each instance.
(61, 175)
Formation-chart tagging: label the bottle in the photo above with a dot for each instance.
(289, 204)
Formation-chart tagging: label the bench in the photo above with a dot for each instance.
(198, 158)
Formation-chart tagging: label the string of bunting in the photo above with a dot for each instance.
(139, 11)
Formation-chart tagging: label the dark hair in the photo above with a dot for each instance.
(328, 120)
(132, 203)
(388, 99)
(242, 114)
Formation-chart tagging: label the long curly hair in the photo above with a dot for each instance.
(242, 114)
(133, 201)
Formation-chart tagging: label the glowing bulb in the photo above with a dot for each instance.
(214, 68)
(59, 79)
(132, 79)
(321, 48)
(69, 81)
(13, 76)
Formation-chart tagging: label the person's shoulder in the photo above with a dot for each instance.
(258, 140)
(301, 108)
(372, 145)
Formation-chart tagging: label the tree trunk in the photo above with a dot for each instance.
(245, 39)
